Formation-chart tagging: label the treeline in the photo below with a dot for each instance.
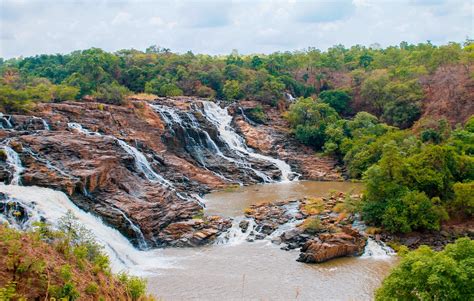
(414, 178)
(386, 78)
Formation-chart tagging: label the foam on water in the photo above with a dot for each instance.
(52, 205)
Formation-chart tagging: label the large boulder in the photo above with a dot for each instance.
(327, 246)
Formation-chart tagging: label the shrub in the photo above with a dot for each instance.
(135, 286)
(337, 99)
(310, 119)
(257, 114)
(111, 93)
(312, 225)
(424, 274)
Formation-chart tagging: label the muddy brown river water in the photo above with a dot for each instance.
(260, 270)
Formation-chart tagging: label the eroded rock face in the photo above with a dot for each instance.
(332, 245)
(100, 176)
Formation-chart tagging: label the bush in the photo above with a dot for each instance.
(424, 274)
(312, 225)
(257, 114)
(310, 119)
(338, 99)
(464, 198)
(111, 93)
(135, 286)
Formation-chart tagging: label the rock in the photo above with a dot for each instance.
(244, 225)
(333, 245)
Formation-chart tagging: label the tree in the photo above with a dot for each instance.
(113, 93)
(232, 90)
(338, 99)
(310, 119)
(425, 274)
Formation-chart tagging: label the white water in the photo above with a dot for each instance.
(141, 238)
(141, 163)
(222, 120)
(234, 236)
(45, 124)
(52, 205)
(13, 160)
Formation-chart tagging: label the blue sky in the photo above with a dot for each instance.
(216, 27)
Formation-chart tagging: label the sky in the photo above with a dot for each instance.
(30, 27)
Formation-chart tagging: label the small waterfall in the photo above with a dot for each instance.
(141, 238)
(377, 250)
(289, 97)
(141, 163)
(222, 120)
(13, 160)
(5, 122)
(234, 235)
(51, 205)
(373, 249)
(45, 124)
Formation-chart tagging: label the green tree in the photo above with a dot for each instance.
(232, 90)
(425, 274)
(338, 99)
(310, 119)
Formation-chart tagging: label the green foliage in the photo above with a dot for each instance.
(232, 90)
(464, 197)
(424, 274)
(135, 286)
(338, 99)
(65, 292)
(312, 225)
(111, 93)
(92, 288)
(8, 292)
(310, 119)
(257, 114)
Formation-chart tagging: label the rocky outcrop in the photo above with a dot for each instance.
(332, 245)
(184, 157)
(311, 224)
(274, 138)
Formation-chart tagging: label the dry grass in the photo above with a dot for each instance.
(313, 206)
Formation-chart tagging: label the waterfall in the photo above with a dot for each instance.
(138, 232)
(234, 235)
(373, 249)
(141, 163)
(45, 203)
(13, 160)
(5, 122)
(222, 120)
(45, 124)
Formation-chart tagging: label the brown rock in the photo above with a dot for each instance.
(333, 245)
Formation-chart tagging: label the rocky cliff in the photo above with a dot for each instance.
(145, 164)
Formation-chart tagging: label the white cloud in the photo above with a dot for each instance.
(218, 26)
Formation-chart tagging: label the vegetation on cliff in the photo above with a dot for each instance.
(425, 274)
(64, 263)
(387, 81)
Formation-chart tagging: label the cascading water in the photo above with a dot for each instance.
(13, 160)
(373, 249)
(5, 122)
(51, 205)
(235, 235)
(222, 120)
(138, 232)
(141, 163)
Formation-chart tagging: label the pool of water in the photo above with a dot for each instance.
(260, 270)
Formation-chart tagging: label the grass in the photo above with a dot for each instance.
(314, 206)
(312, 225)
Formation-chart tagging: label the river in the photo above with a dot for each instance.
(260, 270)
